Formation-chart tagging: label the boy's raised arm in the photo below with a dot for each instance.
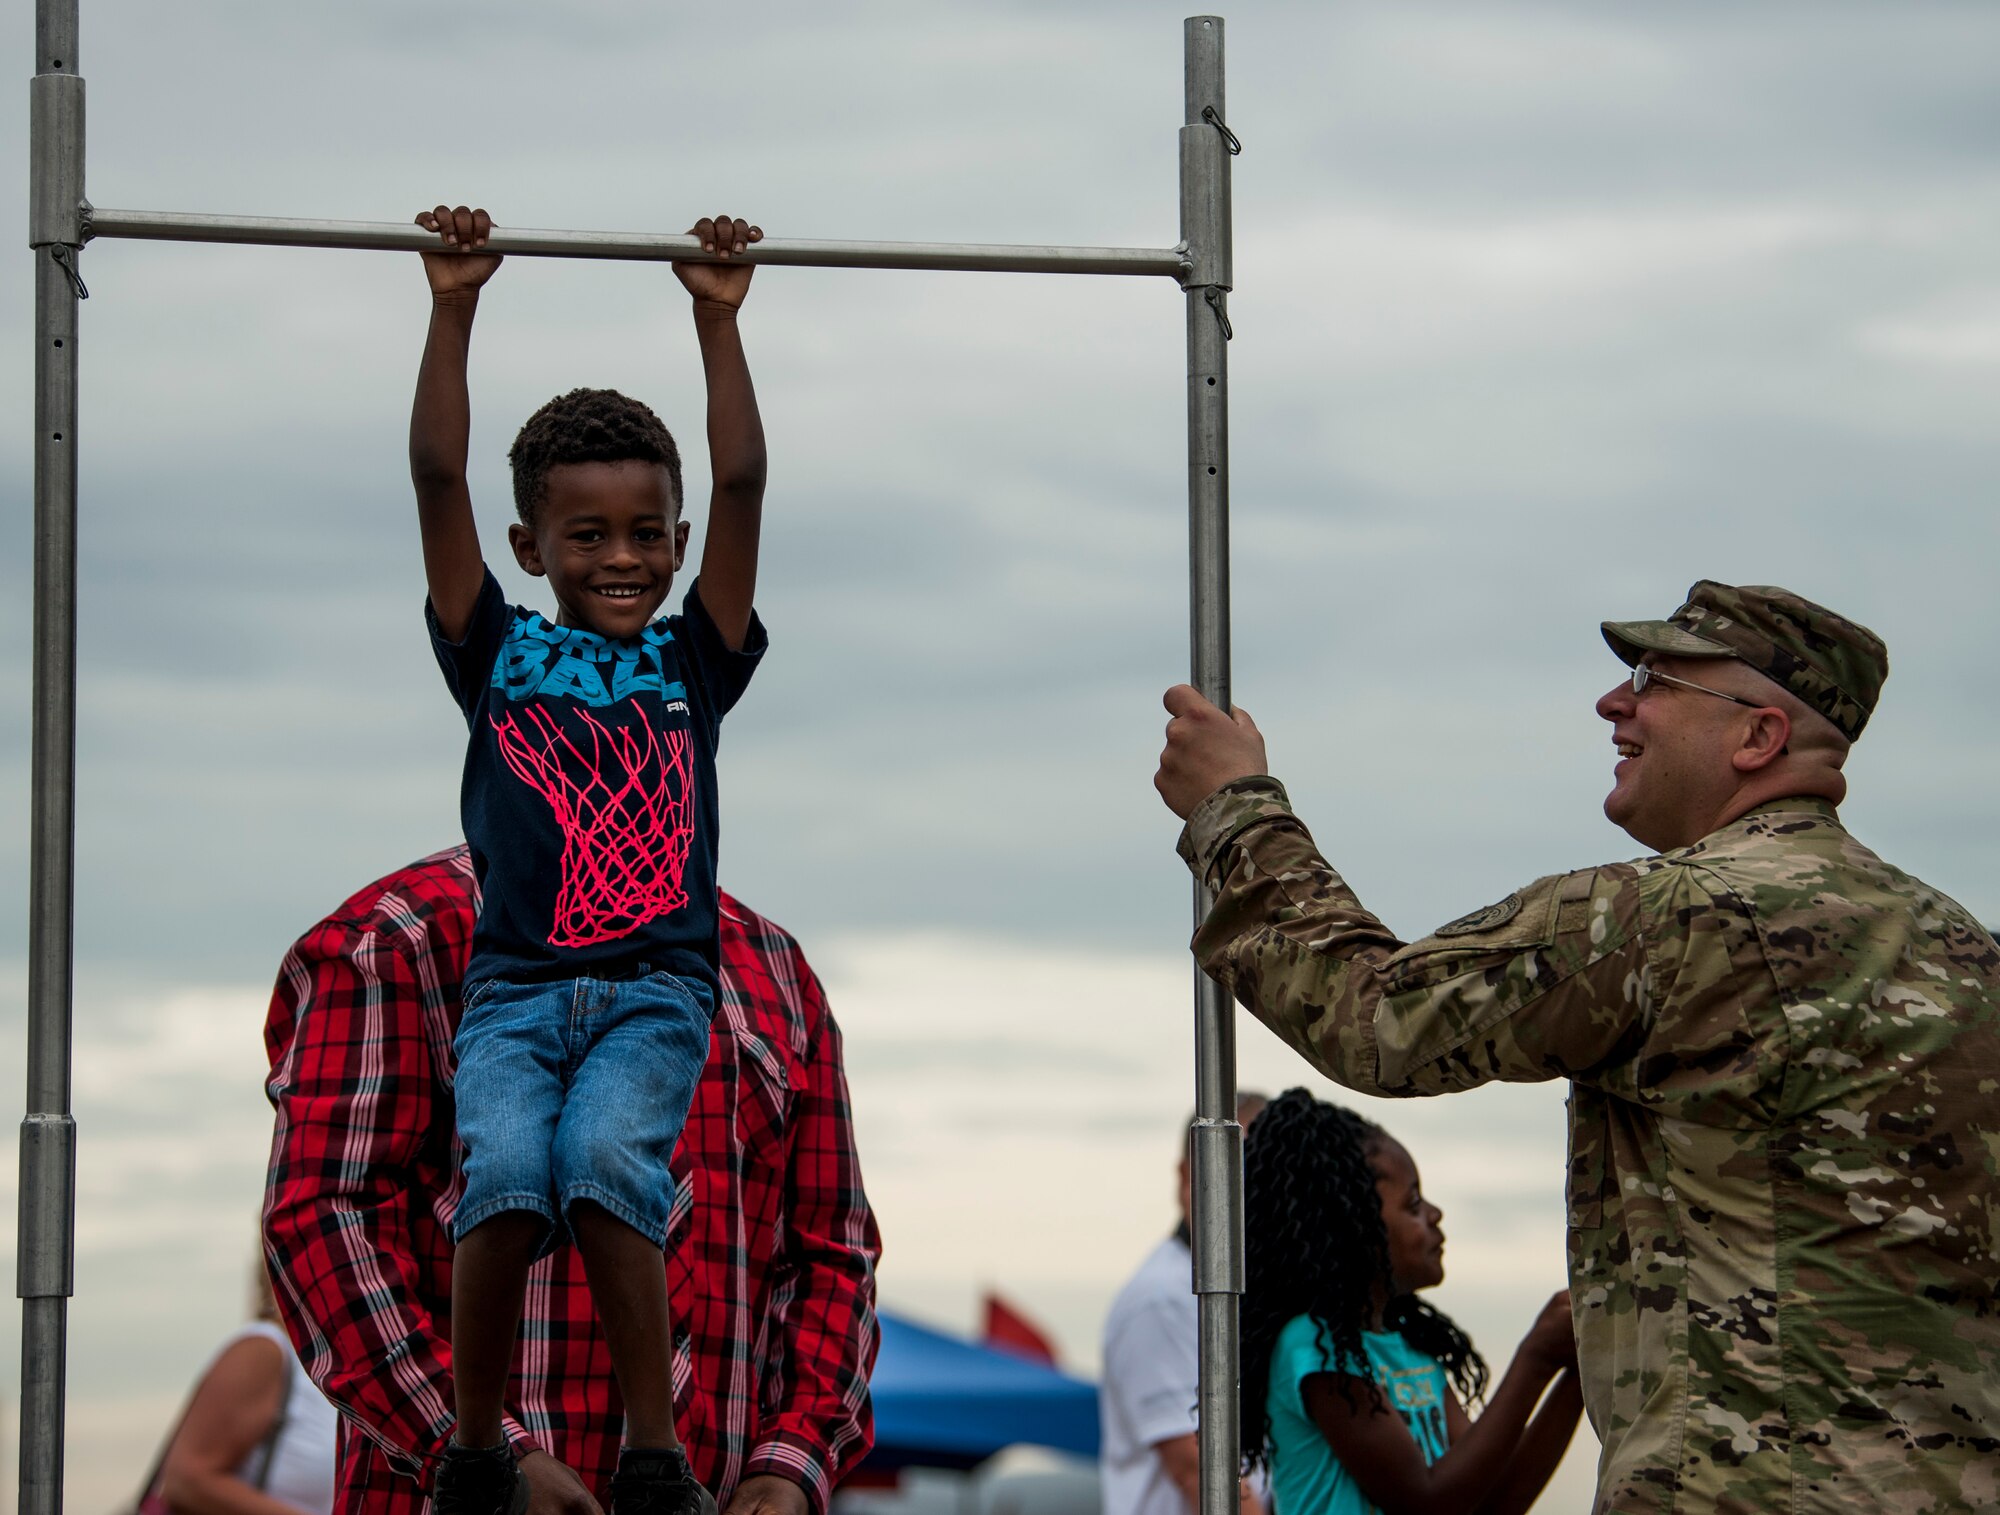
(441, 418)
(735, 430)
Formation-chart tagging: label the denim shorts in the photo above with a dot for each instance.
(577, 1089)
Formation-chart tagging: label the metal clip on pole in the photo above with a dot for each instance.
(1214, 119)
(1219, 303)
(65, 259)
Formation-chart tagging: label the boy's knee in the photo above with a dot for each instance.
(589, 1218)
(610, 1227)
(507, 1233)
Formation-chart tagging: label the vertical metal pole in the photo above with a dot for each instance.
(48, 1133)
(1216, 1141)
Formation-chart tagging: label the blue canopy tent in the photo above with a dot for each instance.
(941, 1402)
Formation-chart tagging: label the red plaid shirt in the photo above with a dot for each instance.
(771, 1255)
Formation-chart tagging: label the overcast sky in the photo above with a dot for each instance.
(1543, 312)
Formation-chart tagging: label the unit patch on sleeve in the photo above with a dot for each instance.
(1483, 920)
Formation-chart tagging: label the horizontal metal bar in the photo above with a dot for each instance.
(978, 257)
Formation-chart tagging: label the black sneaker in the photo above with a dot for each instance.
(479, 1481)
(657, 1483)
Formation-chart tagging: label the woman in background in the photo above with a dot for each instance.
(257, 1438)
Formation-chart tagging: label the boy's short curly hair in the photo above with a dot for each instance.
(587, 426)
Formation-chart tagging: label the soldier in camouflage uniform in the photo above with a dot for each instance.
(1784, 1059)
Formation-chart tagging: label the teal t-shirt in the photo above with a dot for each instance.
(1306, 1478)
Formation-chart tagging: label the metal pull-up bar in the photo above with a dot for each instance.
(61, 222)
(514, 241)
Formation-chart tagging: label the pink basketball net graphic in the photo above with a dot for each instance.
(624, 798)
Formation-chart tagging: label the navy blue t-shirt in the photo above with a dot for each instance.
(589, 798)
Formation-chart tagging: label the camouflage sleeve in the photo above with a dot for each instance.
(1548, 983)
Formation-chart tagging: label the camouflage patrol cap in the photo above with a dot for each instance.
(1831, 663)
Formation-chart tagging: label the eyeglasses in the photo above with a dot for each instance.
(1642, 676)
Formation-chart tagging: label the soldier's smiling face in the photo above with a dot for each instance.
(1674, 745)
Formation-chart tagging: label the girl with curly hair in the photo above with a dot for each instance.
(1354, 1389)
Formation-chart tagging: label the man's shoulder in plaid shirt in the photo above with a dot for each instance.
(771, 1254)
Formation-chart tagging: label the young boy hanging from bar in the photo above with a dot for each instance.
(589, 801)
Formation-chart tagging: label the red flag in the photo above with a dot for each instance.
(1010, 1331)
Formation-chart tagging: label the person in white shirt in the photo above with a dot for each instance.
(256, 1439)
(1146, 1399)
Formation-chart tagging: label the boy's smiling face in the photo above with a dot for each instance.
(609, 538)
